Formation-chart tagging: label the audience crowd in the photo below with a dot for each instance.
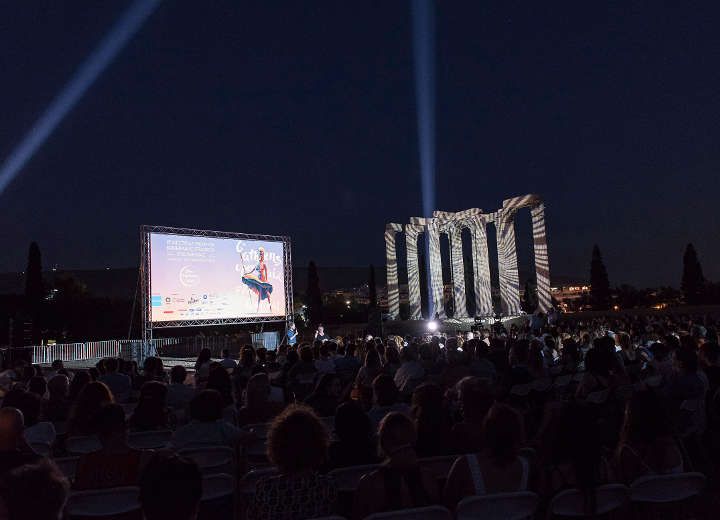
(538, 406)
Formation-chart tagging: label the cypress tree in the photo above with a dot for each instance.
(314, 296)
(693, 280)
(600, 285)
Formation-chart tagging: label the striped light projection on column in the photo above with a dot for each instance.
(393, 292)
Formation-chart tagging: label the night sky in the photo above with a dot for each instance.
(299, 118)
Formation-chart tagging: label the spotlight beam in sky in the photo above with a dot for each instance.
(124, 29)
(423, 20)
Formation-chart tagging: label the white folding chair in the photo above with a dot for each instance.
(347, 479)
(498, 506)
(81, 445)
(660, 489)
(100, 503)
(573, 502)
(67, 465)
(426, 513)
(149, 440)
(212, 459)
(220, 485)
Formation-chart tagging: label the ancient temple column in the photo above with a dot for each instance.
(542, 262)
(458, 270)
(437, 304)
(393, 293)
(481, 267)
(411, 238)
(507, 262)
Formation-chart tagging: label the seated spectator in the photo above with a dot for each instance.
(497, 468)
(272, 365)
(56, 407)
(355, 443)
(83, 413)
(151, 411)
(597, 374)
(36, 491)
(227, 362)
(410, 371)
(432, 420)
(297, 445)
(519, 360)
(480, 365)
(115, 463)
(325, 364)
(457, 365)
(258, 407)
(685, 383)
(400, 482)
(570, 357)
(572, 451)
(30, 404)
(326, 396)
(119, 384)
(170, 488)
(301, 377)
(78, 382)
(220, 380)
(207, 426)
(14, 449)
(385, 399)
(369, 371)
(646, 446)
(392, 360)
(202, 367)
(476, 397)
(37, 385)
(245, 369)
(347, 365)
(178, 393)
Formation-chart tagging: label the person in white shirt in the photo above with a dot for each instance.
(227, 362)
(179, 394)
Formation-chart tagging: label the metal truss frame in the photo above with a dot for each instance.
(145, 252)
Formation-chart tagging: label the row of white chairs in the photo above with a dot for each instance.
(660, 489)
(110, 502)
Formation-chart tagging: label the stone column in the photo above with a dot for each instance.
(507, 262)
(437, 304)
(393, 293)
(542, 263)
(411, 237)
(481, 267)
(458, 271)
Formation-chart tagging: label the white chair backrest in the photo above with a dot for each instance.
(80, 445)
(438, 466)
(248, 482)
(67, 465)
(498, 506)
(149, 440)
(426, 513)
(212, 459)
(667, 488)
(347, 479)
(573, 502)
(217, 486)
(103, 502)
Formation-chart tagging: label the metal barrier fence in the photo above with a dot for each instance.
(123, 348)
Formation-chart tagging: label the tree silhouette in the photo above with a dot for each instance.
(600, 285)
(314, 296)
(34, 291)
(372, 289)
(693, 281)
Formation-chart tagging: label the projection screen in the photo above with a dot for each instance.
(194, 277)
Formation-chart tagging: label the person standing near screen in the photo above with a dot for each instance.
(292, 335)
(320, 333)
(259, 283)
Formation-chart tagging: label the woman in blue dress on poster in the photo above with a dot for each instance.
(258, 283)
